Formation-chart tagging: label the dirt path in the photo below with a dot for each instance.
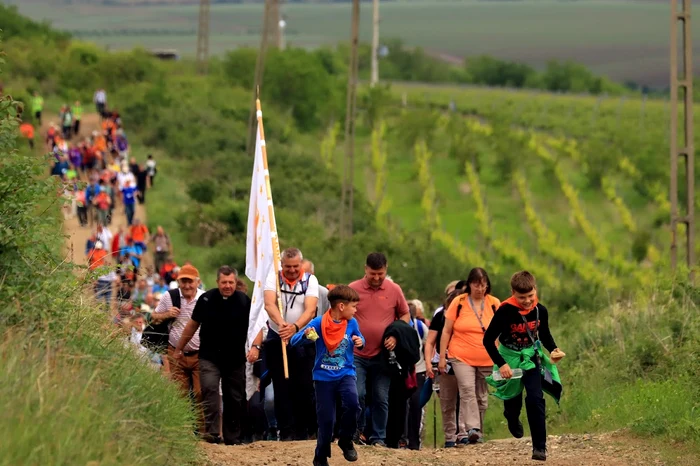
(565, 450)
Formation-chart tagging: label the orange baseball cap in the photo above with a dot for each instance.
(188, 271)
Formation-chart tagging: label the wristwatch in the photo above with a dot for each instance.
(258, 347)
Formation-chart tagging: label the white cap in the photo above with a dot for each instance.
(99, 245)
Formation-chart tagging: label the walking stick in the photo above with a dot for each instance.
(434, 423)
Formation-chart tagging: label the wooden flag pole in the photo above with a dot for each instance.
(273, 222)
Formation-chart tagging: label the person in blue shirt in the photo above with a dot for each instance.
(336, 334)
(129, 198)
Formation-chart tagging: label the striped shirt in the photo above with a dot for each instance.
(176, 328)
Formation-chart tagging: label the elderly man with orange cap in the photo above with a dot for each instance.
(175, 308)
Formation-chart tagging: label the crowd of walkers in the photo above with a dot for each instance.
(359, 357)
(351, 363)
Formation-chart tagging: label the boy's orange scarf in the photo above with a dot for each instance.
(522, 310)
(332, 332)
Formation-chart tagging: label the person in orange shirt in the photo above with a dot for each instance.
(466, 321)
(139, 233)
(97, 256)
(99, 143)
(27, 131)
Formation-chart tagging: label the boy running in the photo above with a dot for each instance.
(521, 325)
(335, 333)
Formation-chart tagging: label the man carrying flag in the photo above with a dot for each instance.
(288, 297)
(294, 404)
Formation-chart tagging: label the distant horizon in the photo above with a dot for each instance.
(624, 40)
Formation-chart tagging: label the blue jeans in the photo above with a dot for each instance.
(129, 210)
(103, 291)
(327, 393)
(371, 370)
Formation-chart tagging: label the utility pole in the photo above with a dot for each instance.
(273, 24)
(349, 171)
(259, 70)
(374, 79)
(203, 37)
(680, 19)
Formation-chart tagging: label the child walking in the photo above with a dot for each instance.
(521, 325)
(335, 334)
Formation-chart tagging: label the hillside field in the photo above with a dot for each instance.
(623, 40)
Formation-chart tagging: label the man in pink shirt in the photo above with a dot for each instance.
(381, 303)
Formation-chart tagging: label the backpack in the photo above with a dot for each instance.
(304, 285)
(156, 335)
(419, 328)
(459, 308)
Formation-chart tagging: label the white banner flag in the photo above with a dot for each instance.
(260, 255)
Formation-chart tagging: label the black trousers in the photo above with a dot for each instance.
(295, 408)
(398, 407)
(255, 424)
(233, 388)
(534, 406)
(415, 415)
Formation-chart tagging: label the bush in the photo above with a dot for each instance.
(295, 79)
(201, 191)
(493, 72)
(640, 245)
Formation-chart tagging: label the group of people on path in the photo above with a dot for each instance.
(353, 354)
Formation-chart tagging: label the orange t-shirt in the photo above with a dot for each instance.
(467, 342)
(139, 233)
(97, 258)
(100, 144)
(27, 130)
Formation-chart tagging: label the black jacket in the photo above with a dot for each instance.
(407, 349)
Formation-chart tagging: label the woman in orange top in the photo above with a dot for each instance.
(466, 321)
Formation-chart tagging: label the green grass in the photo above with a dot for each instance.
(625, 40)
(87, 402)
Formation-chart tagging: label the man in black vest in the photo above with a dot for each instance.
(221, 316)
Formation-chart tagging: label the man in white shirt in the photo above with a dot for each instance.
(100, 99)
(105, 235)
(295, 409)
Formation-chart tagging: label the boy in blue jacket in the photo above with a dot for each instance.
(335, 334)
